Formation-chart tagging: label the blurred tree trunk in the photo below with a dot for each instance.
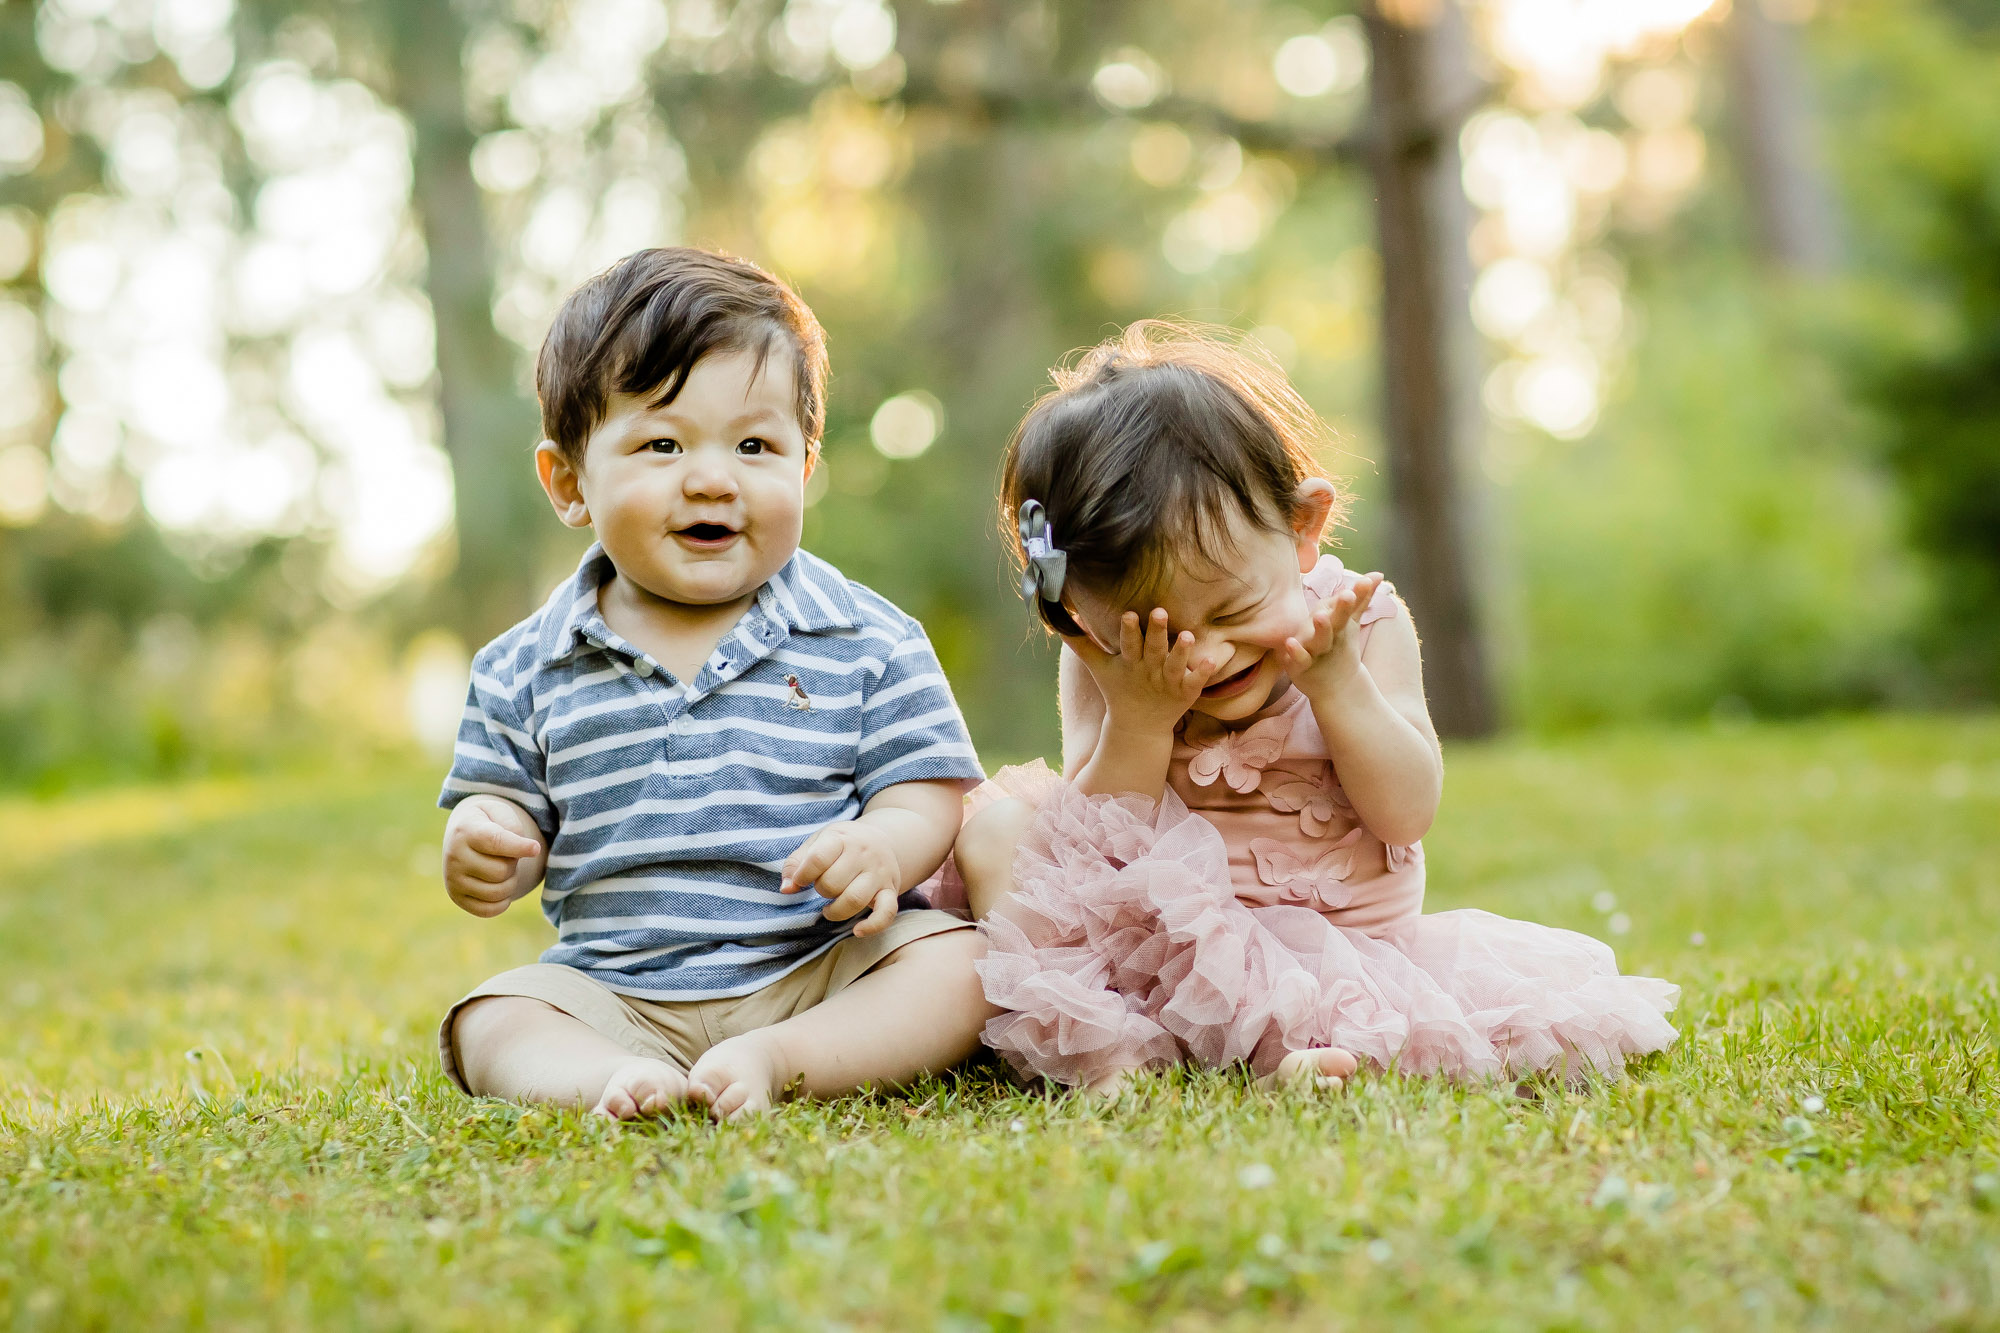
(1420, 89)
(489, 420)
(1791, 208)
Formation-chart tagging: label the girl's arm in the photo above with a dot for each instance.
(1082, 712)
(1367, 694)
(1141, 692)
(1378, 731)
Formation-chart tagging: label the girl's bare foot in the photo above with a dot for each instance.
(1325, 1067)
(741, 1076)
(642, 1087)
(1110, 1086)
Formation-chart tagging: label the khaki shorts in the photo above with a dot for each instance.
(679, 1031)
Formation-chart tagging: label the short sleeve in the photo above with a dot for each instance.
(1329, 576)
(497, 755)
(911, 730)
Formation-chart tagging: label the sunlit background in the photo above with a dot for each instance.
(243, 482)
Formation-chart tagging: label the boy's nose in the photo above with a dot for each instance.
(708, 479)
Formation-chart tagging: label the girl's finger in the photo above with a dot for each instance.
(1342, 608)
(1177, 656)
(1129, 639)
(1156, 636)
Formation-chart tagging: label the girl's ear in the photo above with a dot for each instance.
(563, 483)
(1315, 500)
(812, 458)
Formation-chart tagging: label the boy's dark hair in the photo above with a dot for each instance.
(640, 326)
(1146, 448)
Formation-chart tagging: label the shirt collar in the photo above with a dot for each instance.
(807, 595)
(570, 606)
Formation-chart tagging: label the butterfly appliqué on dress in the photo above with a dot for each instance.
(1315, 878)
(1239, 758)
(1318, 800)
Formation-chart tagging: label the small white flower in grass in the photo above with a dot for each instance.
(1256, 1176)
(1018, 1126)
(1813, 1105)
(1381, 1251)
(1697, 939)
(1604, 900)
(1271, 1245)
(1619, 923)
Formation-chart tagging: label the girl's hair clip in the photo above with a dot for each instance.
(1045, 567)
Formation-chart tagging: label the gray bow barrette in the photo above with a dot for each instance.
(1046, 566)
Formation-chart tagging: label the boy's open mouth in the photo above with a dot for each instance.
(706, 534)
(1229, 685)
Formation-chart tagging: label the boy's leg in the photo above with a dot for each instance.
(918, 1011)
(528, 1051)
(985, 852)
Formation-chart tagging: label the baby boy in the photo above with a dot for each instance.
(701, 725)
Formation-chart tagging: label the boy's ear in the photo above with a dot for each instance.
(1315, 499)
(563, 485)
(812, 457)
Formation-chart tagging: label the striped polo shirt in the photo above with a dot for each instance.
(670, 805)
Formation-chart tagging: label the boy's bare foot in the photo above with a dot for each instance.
(741, 1076)
(642, 1087)
(1326, 1067)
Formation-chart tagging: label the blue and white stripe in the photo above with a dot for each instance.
(669, 806)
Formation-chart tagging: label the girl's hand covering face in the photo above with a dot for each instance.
(1330, 654)
(1153, 679)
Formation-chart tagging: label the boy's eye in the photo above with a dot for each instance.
(663, 446)
(753, 446)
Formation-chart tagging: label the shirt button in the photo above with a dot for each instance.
(642, 668)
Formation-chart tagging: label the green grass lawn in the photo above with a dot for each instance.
(220, 1103)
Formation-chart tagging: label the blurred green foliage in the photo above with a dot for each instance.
(1791, 502)
(1920, 155)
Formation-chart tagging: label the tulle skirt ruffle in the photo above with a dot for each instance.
(1123, 946)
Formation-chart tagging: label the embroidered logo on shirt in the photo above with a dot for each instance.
(797, 699)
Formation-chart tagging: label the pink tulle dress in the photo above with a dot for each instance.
(1249, 913)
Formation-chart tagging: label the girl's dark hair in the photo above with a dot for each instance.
(1147, 447)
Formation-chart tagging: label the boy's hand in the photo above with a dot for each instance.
(1154, 678)
(1330, 653)
(493, 854)
(854, 864)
